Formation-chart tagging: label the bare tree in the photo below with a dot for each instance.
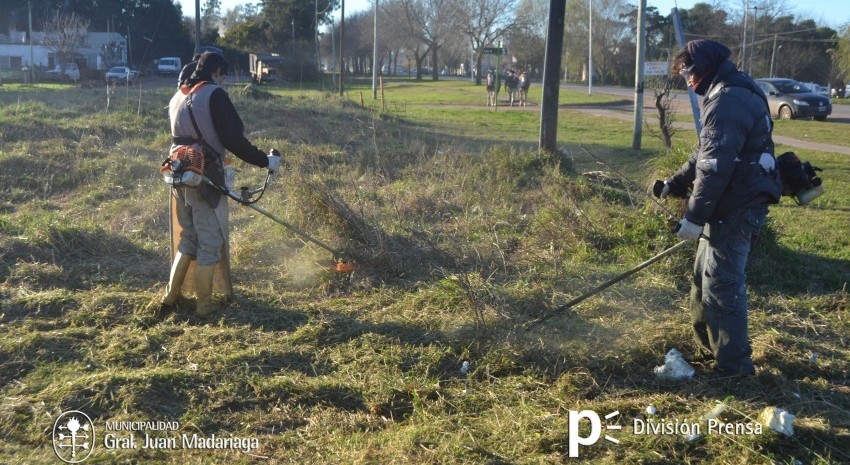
(65, 34)
(395, 34)
(483, 22)
(431, 21)
(528, 37)
(401, 33)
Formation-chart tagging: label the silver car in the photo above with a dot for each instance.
(121, 74)
(789, 99)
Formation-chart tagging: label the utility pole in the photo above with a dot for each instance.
(753, 40)
(590, 47)
(551, 77)
(773, 55)
(129, 47)
(333, 48)
(744, 42)
(197, 27)
(639, 63)
(316, 34)
(375, 57)
(498, 78)
(32, 64)
(341, 41)
(680, 39)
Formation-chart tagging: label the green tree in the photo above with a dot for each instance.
(285, 21)
(247, 37)
(210, 22)
(841, 58)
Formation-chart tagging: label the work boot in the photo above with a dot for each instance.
(179, 267)
(203, 288)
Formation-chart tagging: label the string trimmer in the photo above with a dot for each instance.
(604, 286)
(246, 198)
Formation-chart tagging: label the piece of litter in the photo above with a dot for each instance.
(778, 420)
(715, 412)
(675, 367)
(692, 437)
(465, 367)
(651, 410)
(813, 358)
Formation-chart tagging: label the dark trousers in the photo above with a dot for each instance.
(719, 289)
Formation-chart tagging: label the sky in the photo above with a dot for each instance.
(833, 13)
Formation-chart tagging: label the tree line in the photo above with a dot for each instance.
(426, 37)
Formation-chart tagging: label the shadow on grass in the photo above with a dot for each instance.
(779, 269)
(76, 259)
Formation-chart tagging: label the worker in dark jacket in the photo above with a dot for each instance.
(201, 113)
(729, 180)
(188, 70)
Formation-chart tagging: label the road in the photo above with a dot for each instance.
(681, 104)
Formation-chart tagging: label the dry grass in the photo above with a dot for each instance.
(457, 250)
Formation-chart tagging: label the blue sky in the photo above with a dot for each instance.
(833, 13)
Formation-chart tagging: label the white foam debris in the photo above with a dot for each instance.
(651, 410)
(778, 420)
(675, 367)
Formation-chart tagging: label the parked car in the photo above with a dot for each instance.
(834, 92)
(817, 88)
(70, 73)
(121, 74)
(788, 99)
(169, 66)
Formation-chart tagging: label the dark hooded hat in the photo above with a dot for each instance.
(706, 57)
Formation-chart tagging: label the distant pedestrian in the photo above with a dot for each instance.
(187, 70)
(492, 85)
(512, 85)
(524, 85)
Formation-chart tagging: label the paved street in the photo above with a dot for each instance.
(625, 111)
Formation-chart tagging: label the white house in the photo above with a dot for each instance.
(97, 49)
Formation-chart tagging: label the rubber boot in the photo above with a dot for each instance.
(179, 268)
(203, 288)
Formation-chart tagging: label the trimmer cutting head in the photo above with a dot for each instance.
(344, 267)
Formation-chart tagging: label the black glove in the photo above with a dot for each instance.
(661, 188)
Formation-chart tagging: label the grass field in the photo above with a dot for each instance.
(464, 234)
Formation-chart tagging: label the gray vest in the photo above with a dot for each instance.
(181, 126)
(181, 123)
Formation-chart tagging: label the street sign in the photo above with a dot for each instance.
(656, 68)
(495, 50)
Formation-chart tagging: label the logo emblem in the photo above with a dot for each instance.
(595, 429)
(73, 436)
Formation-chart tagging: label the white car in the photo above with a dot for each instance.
(121, 74)
(71, 73)
(169, 66)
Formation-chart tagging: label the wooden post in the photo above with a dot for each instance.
(383, 102)
(361, 99)
(639, 63)
(551, 76)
